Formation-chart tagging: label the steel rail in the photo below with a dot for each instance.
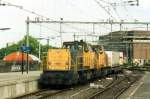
(124, 89)
(29, 94)
(109, 87)
(52, 94)
(41, 94)
(106, 89)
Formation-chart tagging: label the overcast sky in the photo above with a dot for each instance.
(83, 10)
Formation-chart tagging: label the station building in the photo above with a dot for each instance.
(134, 44)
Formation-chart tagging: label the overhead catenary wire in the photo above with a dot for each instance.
(122, 3)
(112, 6)
(69, 25)
(24, 9)
(48, 28)
(42, 16)
(80, 10)
(31, 12)
(104, 8)
(115, 10)
(37, 14)
(80, 30)
(131, 16)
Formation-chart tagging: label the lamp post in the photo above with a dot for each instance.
(27, 42)
(42, 38)
(61, 21)
(3, 29)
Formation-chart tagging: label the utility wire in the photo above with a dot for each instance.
(42, 16)
(123, 3)
(112, 6)
(32, 12)
(81, 10)
(22, 8)
(105, 1)
(103, 7)
(48, 28)
(81, 30)
(131, 16)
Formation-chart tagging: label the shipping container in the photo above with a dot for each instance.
(113, 58)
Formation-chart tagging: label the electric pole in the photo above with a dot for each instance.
(61, 19)
(27, 43)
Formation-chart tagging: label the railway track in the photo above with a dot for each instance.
(139, 68)
(41, 94)
(48, 93)
(111, 88)
(115, 89)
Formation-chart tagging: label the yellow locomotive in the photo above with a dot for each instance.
(76, 62)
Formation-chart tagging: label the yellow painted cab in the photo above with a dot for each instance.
(102, 60)
(58, 59)
(89, 60)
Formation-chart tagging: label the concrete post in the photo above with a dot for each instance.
(27, 43)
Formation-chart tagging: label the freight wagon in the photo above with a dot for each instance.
(115, 60)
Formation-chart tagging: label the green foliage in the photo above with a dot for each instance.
(34, 45)
(8, 50)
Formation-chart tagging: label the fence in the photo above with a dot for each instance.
(16, 66)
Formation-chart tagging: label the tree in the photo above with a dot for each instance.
(34, 45)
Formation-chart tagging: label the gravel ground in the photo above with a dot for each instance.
(84, 91)
(90, 89)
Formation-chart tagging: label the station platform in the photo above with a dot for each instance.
(139, 90)
(15, 83)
